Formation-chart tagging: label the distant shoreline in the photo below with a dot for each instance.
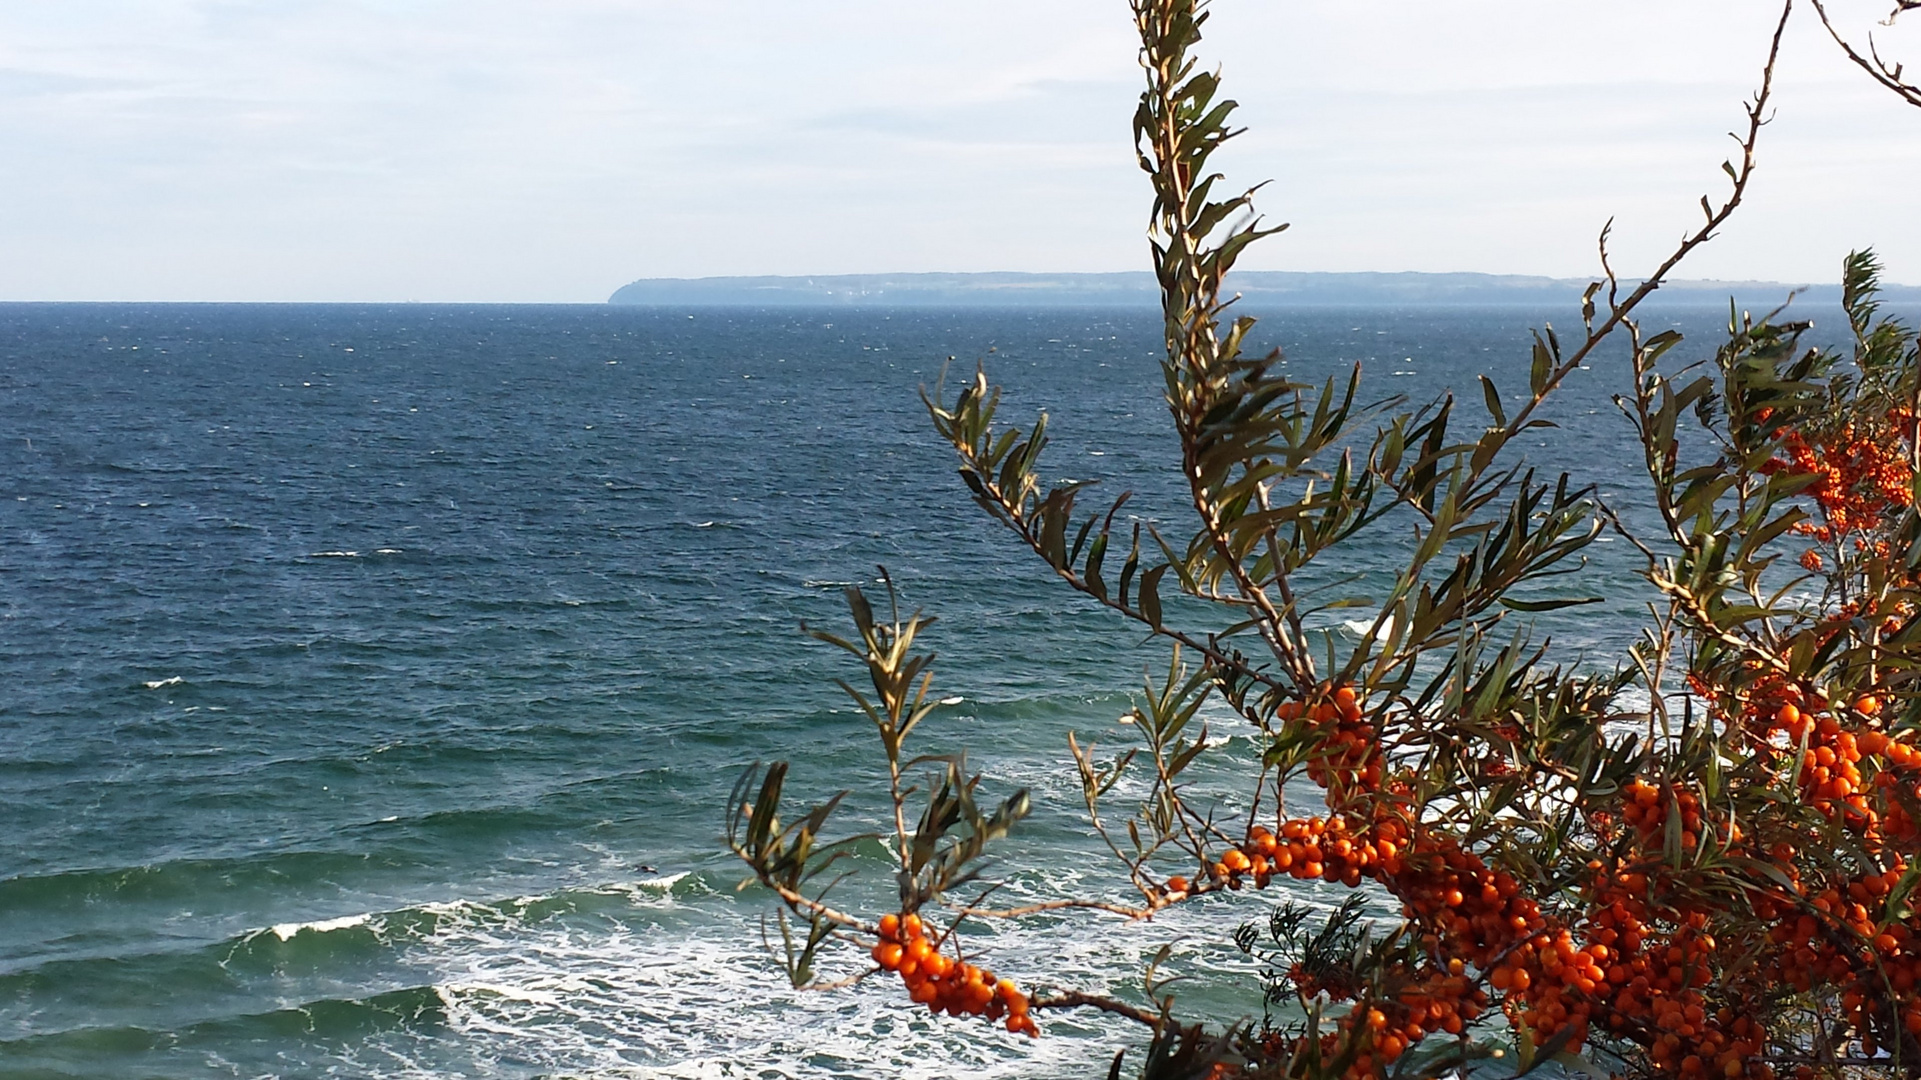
(1257, 288)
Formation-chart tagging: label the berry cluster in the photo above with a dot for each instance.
(946, 984)
(1468, 912)
(1382, 1030)
(1861, 474)
(1826, 932)
(1638, 960)
(1648, 967)
(1646, 812)
(1350, 758)
(1842, 931)
(1424, 1000)
(1307, 849)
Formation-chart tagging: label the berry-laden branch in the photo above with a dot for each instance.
(1726, 890)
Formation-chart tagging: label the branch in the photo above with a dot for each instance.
(1058, 905)
(801, 903)
(1076, 1000)
(1696, 610)
(1877, 68)
(1015, 519)
(1619, 311)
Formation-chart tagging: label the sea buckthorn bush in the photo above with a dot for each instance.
(1698, 862)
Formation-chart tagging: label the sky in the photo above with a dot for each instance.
(553, 150)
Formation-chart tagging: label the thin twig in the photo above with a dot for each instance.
(1877, 68)
(1056, 905)
(800, 901)
(1014, 518)
(1075, 1000)
(1619, 311)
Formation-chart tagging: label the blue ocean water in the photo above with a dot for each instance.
(374, 677)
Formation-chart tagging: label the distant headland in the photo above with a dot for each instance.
(1259, 288)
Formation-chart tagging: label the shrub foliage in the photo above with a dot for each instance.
(1717, 881)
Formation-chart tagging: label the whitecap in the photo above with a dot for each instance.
(286, 931)
(158, 683)
(334, 555)
(1360, 627)
(591, 989)
(638, 1003)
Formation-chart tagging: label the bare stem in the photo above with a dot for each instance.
(1878, 69)
(1093, 1001)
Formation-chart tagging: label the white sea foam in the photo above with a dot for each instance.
(158, 683)
(647, 1004)
(286, 931)
(333, 555)
(1360, 627)
(541, 985)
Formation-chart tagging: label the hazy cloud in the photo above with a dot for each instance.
(492, 150)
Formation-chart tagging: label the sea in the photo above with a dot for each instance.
(373, 679)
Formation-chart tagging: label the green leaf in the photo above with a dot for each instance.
(1548, 605)
(1092, 575)
(1053, 533)
(1151, 595)
(1493, 399)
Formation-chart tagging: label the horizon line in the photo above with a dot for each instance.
(1122, 285)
